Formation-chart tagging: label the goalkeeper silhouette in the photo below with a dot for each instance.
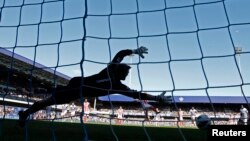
(106, 82)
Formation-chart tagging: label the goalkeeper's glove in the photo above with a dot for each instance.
(164, 99)
(140, 51)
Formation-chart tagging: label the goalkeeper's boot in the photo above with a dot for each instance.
(22, 118)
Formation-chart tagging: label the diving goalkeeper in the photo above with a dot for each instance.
(106, 82)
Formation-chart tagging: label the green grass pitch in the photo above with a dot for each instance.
(62, 131)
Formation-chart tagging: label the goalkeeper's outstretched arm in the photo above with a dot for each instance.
(123, 53)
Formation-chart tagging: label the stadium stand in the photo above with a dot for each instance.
(16, 72)
(21, 69)
(14, 93)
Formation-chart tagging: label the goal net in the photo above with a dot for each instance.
(196, 47)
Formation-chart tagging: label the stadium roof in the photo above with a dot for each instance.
(187, 99)
(9, 59)
(116, 98)
(214, 99)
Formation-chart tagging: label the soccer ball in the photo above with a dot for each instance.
(203, 121)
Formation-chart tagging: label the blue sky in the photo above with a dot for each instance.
(191, 42)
